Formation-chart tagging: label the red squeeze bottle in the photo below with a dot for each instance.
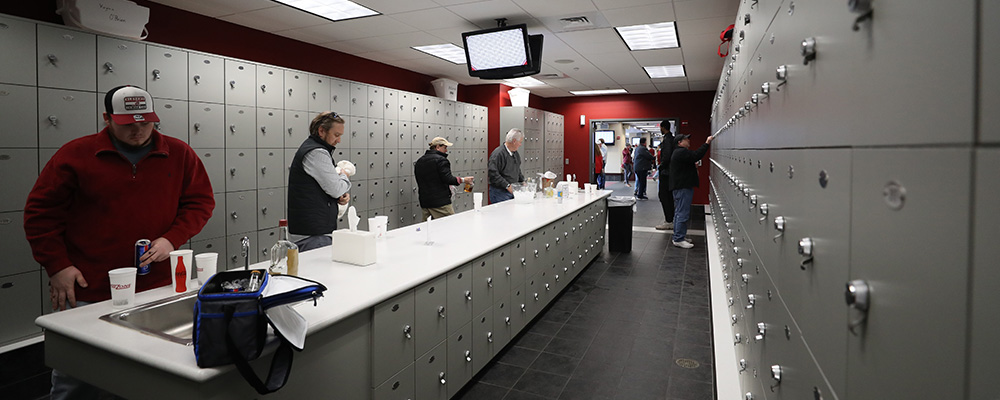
(180, 276)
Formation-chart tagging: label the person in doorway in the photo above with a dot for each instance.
(643, 164)
(598, 166)
(627, 173)
(683, 180)
(604, 153)
(315, 189)
(505, 167)
(433, 174)
(666, 196)
(101, 193)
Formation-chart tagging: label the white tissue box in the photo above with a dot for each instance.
(356, 248)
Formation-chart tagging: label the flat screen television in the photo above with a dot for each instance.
(502, 53)
(608, 136)
(634, 141)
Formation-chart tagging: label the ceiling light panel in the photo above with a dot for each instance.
(526, 81)
(661, 35)
(446, 51)
(334, 10)
(665, 71)
(598, 92)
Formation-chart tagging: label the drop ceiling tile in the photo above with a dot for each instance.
(344, 47)
(650, 58)
(641, 88)
(397, 41)
(275, 19)
(698, 9)
(705, 26)
(550, 92)
(564, 83)
(681, 86)
(703, 85)
(594, 41)
(456, 2)
(552, 8)
(389, 7)
(434, 18)
(217, 8)
(488, 11)
(616, 4)
(393, 55)
(620, 67)
(350, 29)
(648, 14)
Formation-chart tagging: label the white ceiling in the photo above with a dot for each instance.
(600, 59)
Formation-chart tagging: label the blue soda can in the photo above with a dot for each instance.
(141, 247)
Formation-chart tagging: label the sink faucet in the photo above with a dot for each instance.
(245, 252)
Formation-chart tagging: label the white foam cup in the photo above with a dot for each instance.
(122, 287)
(206, 266)
(477, 200)
(188, 256)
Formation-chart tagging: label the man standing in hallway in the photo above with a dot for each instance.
(683, 180)
(433, 174)
(664, 193)
(505, 167)
(643, 163)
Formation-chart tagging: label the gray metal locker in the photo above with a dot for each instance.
(398, 387)
(392, 336)
(502, 271)
(460, 356)
(64, 115)
(17, 44)
(431, 321)
(265, 239)
(405, 196)
(391, 162)
(894, 193)
(24, 291)
(376, 159)
(241, 127)
(417, 108)
(270, 168)
(66, 59)
(18, 258)
(241, 165)
(359, 100)
(375, 103)
(359, 195)
(296, 90)
(405, 131)
(431, 373)
(119, 63)
(376, 194)
(173, 118)
(166, 72)
(241, 78)
(241, 212)
(340, 97)
(216, 225)
(459, 296)
(390, 134)
(269, 87)
(216, 245)
(319, 93)
(482, 339)
(19, 111)
(405, 113)
(270, 207)
(207, 78)
(391, 104)
(985, 321)
(208, 125)
(503, 322)
(214, 161)
(482, 284)
(375, 133)
(234, 258)
(296, 128)
(270, 123)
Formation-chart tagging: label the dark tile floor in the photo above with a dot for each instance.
(628, 327)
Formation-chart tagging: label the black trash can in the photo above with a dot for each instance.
(620, 223)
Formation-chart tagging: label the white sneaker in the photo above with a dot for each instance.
(664, 226)
(683, 244)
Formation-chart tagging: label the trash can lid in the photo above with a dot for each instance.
(621, 201)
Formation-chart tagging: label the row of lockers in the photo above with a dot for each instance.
(57, 57)
(544, 134)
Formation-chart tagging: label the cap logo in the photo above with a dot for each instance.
(133, 103)
(138, 117)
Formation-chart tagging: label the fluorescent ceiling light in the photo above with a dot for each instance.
(665, 71)
(661, 35)
(334, 10)
(597, 92)
(526, 81)
(446, 51)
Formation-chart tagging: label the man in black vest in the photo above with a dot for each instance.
(433, 174)
(315, 189)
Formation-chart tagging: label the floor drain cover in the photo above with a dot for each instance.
(687, 363)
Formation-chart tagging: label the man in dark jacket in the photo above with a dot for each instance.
(683, 180)
(433, 174)
(666, 196)
(643, 163)
(315, 189)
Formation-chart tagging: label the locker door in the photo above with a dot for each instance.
(296, 90)
(23, 290)
(241, 208)
(391, 106)
(355, 132)
(985, 321)
(241, 165)
(269, 86)
(269, 127)
(403, 191)
(270, 207)
(391, 134)
(359, 99)
(359, 157)
(217, 245)
(359, 195)
(391, 162)
(167, 71)
(482, 284)
(66, 59)
(460, 358)
(459, 297)
(375, 103)
(265, 239)
(502, 271)
(376, 161)
(241, 79)
(207, 77)
(241, 127)
(15, 246)
(319, 93)
(18, 170)
(398, 387)
(270, 168)
(482, 339)
(404, 134)
(207, 123)
(19, 111)
(416, 107)
(340, 97)
(376, 194)
(417, 137)
(17, 44)
(404, 113)
(173, 117)
(216, 225)
(119, 63)
(431, 373)
(296, 128)
(65, 115)
(376, 133)
(214, 161)
(431, 321)
(894, 193)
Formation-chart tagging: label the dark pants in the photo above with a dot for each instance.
(498, 195)
(640, 183)
(313, 242)
(666, 198)
(600, 178)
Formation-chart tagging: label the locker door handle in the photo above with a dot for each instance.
(489, 337)
(232, 171)
(52, 59)
(468, 295)
(334, 98)
(197, 79)
(289, 131)
(386, 106)
(314, 95)
(806, 249)
(779, 225)
(156, 74)
(441, 378)
(232, 128)
(197, 127)
(53, 120)
(808, 48)
(468, 356)
(524, 308)
(408, 332)
(371, 103)
(263, 88)
(507, 270)
(441, 311)
(506, 320)
(776, 375)
(489, 282)
(289, 92)
(109, 66)
(263, 210)
(234, 215)
(232, 84)
(263, 130)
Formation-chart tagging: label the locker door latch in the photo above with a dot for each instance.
(863, 7)
(779, 225)
(110, 67)
(808, 50)
(806, 250)
(776, 375)
(857, 295)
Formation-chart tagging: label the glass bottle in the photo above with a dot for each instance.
(284, 253)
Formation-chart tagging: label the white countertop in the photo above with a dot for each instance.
(404, 262)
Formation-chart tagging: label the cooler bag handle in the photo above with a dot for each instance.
(281, 364)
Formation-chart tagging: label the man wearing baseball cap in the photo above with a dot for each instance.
(683, 180)
(433, 174)
(101, 193)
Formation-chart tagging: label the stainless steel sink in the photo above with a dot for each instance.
(171, 318)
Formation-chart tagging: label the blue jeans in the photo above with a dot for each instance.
(313, 242)
(682, 212)
(498, 195)
(600, 178)
(640, 183)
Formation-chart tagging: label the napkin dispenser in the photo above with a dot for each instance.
(353, 247)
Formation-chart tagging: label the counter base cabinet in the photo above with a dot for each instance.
(335, 365)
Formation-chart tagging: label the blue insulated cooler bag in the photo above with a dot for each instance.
(230, 326)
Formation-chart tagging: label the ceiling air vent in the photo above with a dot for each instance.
(578, 22)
